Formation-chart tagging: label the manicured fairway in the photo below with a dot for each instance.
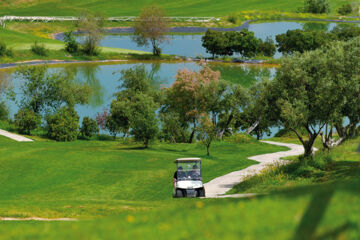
(132, 8)
(43, 178)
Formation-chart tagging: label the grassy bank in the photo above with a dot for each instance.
(341, 163)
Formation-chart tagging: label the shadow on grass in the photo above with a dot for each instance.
(315, 211)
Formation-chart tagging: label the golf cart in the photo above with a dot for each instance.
(187, 178)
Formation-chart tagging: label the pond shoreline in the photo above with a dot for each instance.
(126, 30)
(52, 62)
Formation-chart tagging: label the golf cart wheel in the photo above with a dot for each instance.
(179, 193)
(201, 192)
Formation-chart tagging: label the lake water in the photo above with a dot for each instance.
(191, 45)
(104, 79)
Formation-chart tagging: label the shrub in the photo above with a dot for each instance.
(232, 18)
(26, 120)
(89, 127)
(63, 125)
(39, 49)
(345, 32)
(316, 6)
(4, 51)
(71, 46)
(4, 112)
(345, 9)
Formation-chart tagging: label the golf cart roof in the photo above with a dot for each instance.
(183, 160)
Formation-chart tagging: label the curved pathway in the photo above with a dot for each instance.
(217, 187)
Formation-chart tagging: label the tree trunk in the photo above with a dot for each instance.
(192, 134)
(208, 148)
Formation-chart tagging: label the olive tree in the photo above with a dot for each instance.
(302, 96)
(151, 26)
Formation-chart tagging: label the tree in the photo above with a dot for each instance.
(207, 132)
(41, 90)
(91, 25)
(151, 26)
(143, 121)
(216, 43)
(302, 95)
(4, 111)
(253, 110)
(345, 32)
(245, 43)
(89, 127)
(316, 6)
(267, 47)
(63, 125)
(300, 41)
(134, 107)
(191, 94)
(26, 120)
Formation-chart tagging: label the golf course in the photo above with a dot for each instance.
(103, 103)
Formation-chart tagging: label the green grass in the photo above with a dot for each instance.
(133, 8)
(42, 178)
(279, 216)
(341, 163)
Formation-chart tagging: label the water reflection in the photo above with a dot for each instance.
(191, 45)
(104, 79)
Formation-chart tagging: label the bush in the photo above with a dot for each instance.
(316, 6)
(232, 18)
(39, 49)
(4, 51)
(63, 125)
(345, 9)
(89, 127)
(71, 46)
(4, 111)
(26, 120)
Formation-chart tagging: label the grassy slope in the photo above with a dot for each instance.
(345, 165)
(127, 8)
(42, 178)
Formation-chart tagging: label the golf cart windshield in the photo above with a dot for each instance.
(188, 171)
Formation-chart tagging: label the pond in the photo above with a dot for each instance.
(104, 79)
(191, 45)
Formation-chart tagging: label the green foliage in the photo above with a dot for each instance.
(316, 6)
(267, 47)
(63, 125)
(4, 111)
(233, 18)
(92, 27)
(89, 127)
(143, 121)
(39, 49)
(345, 32)
(244, 43)
(345, 9)
(42, 91)
(26, 120)
(301, 41)
(151, 26)
(71, 45)
(215, 43)
(4, 51)
(134, 107)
